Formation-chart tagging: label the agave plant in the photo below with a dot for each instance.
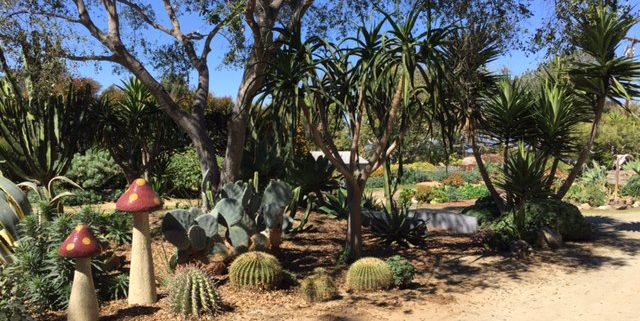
(50, 203)
(397, 227)
(42, 133)
(14, 207)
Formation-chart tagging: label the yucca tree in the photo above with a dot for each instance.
(134, 130)
(42, 133)
(368, 81)
(557, 117)
(602, 76)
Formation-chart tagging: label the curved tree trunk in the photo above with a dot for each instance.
(586, 150)
(485, 175)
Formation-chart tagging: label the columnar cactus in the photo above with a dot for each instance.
(319, 287)
(193, 294)
(369, 274)
(256, 270)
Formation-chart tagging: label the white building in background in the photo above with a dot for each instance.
(346, 156)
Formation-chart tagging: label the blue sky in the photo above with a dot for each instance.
(225, 81)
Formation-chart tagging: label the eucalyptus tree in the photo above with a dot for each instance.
(365, 82)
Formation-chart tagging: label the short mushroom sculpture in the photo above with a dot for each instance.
(81, 245)
(140, 199)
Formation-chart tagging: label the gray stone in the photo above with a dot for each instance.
(549, 239)
(521, 249)
(447, 220)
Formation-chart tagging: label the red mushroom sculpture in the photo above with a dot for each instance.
(81, 245)
(140, 199)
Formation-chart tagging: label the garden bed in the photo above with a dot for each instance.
(319, 247)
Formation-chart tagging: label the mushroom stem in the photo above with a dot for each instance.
(83, 304)
(142, 282)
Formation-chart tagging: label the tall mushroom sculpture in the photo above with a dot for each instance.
(140, 199)
(81, 245)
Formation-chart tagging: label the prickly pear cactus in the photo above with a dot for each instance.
(369, 274)
(191, 231)
(277, 196)
(193, 294)
(319, 287)
(256, 270)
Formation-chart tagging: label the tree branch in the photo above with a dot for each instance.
(114, 19)
(85, 19)
(145, 17)
(111, 58)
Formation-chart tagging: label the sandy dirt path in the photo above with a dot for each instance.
(599, 281)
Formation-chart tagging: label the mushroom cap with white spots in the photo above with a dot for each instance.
(80, 244)
(139, 197)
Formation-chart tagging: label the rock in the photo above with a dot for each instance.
(584, 206)
(636, 204)
(549, 239)
(604, 207)
(620, 206)
(521, 249)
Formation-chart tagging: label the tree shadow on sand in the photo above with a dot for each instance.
(463, 272)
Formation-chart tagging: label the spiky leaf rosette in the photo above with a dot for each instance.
(256, 270)
(193, 294)
(369, 274)
(319, 287)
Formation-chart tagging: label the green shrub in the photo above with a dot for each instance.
(369, 274)
(594, 195)
(183, 174)
(319, 287)
(256, 270)
(632, 188)
(375, 182)
(406, 195)
(403, 271)
(563, 217)
(484, 210)
(472, 192)
(96, 170)
(193, 294)
(86, 197)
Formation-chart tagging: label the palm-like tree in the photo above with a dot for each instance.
(364, 82)
(602, 75)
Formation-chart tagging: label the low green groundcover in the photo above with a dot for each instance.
(563, 217)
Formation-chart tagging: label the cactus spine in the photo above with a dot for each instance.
(369, 274)
(192, 293)
(319, 287)
(256, 270)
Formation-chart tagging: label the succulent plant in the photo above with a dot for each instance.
(193, 294)
(192, 232)
(403, 271)
(369, 274)
(241, 206)
(256, 270)
(319, 287)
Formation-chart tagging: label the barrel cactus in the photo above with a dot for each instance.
(319, 287)
(369, 274)
(256, 270)
(193, 294)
